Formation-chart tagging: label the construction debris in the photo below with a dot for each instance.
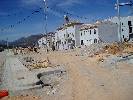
(93, 49)
(116, 48)
(51, 78)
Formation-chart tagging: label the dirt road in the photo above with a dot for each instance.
(90, 81)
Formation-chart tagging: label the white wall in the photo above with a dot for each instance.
(88, 37)
(124, 25)
(72, 32)
(108, 32)
(41, 42)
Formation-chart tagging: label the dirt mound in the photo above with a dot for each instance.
(116, 48)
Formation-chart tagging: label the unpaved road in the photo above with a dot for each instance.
(90, 81)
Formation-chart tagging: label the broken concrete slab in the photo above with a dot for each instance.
(51, 77)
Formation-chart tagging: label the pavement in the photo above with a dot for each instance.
(17, 77)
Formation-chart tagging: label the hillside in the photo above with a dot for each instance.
(27, 41)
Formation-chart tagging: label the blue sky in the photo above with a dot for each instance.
(19, 9)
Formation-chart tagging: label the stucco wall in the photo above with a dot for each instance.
(108, 32)
(88, 37)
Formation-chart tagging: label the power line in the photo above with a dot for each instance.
(22, 20)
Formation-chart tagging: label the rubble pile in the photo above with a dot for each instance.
(116, 48)
(110, 48)
(54, 79)
(93, 49)
(31, 63)
(113, 48)
(128, 48)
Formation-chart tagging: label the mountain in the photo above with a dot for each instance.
(3, 42)
(27, 41)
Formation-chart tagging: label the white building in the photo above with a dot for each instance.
(126, 27)
(88, 34)
(68, 36)
(98, 32)
(42, 42)
(47, 41)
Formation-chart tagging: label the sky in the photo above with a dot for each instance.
(13, 11)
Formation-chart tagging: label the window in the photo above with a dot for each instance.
(121, 23)
(72, 34)
(123, 36)
(95, 40)
(68, 35)
(130, 36)
(94, 31)
(122, 30)
(64, 35)
(129, 23)
(82, 42)
(130, 29)
(90, 31)
(81, 33)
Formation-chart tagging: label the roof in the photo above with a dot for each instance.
(69, 25)
(95, 25)
(87, 26)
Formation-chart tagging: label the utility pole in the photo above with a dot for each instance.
(119, 18)
(7, 44)
(45, 12)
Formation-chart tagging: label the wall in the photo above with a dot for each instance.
(88, 37)
(108, 32)
(77, 35)
(62, 35)
(41, 42)
(124, 26)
